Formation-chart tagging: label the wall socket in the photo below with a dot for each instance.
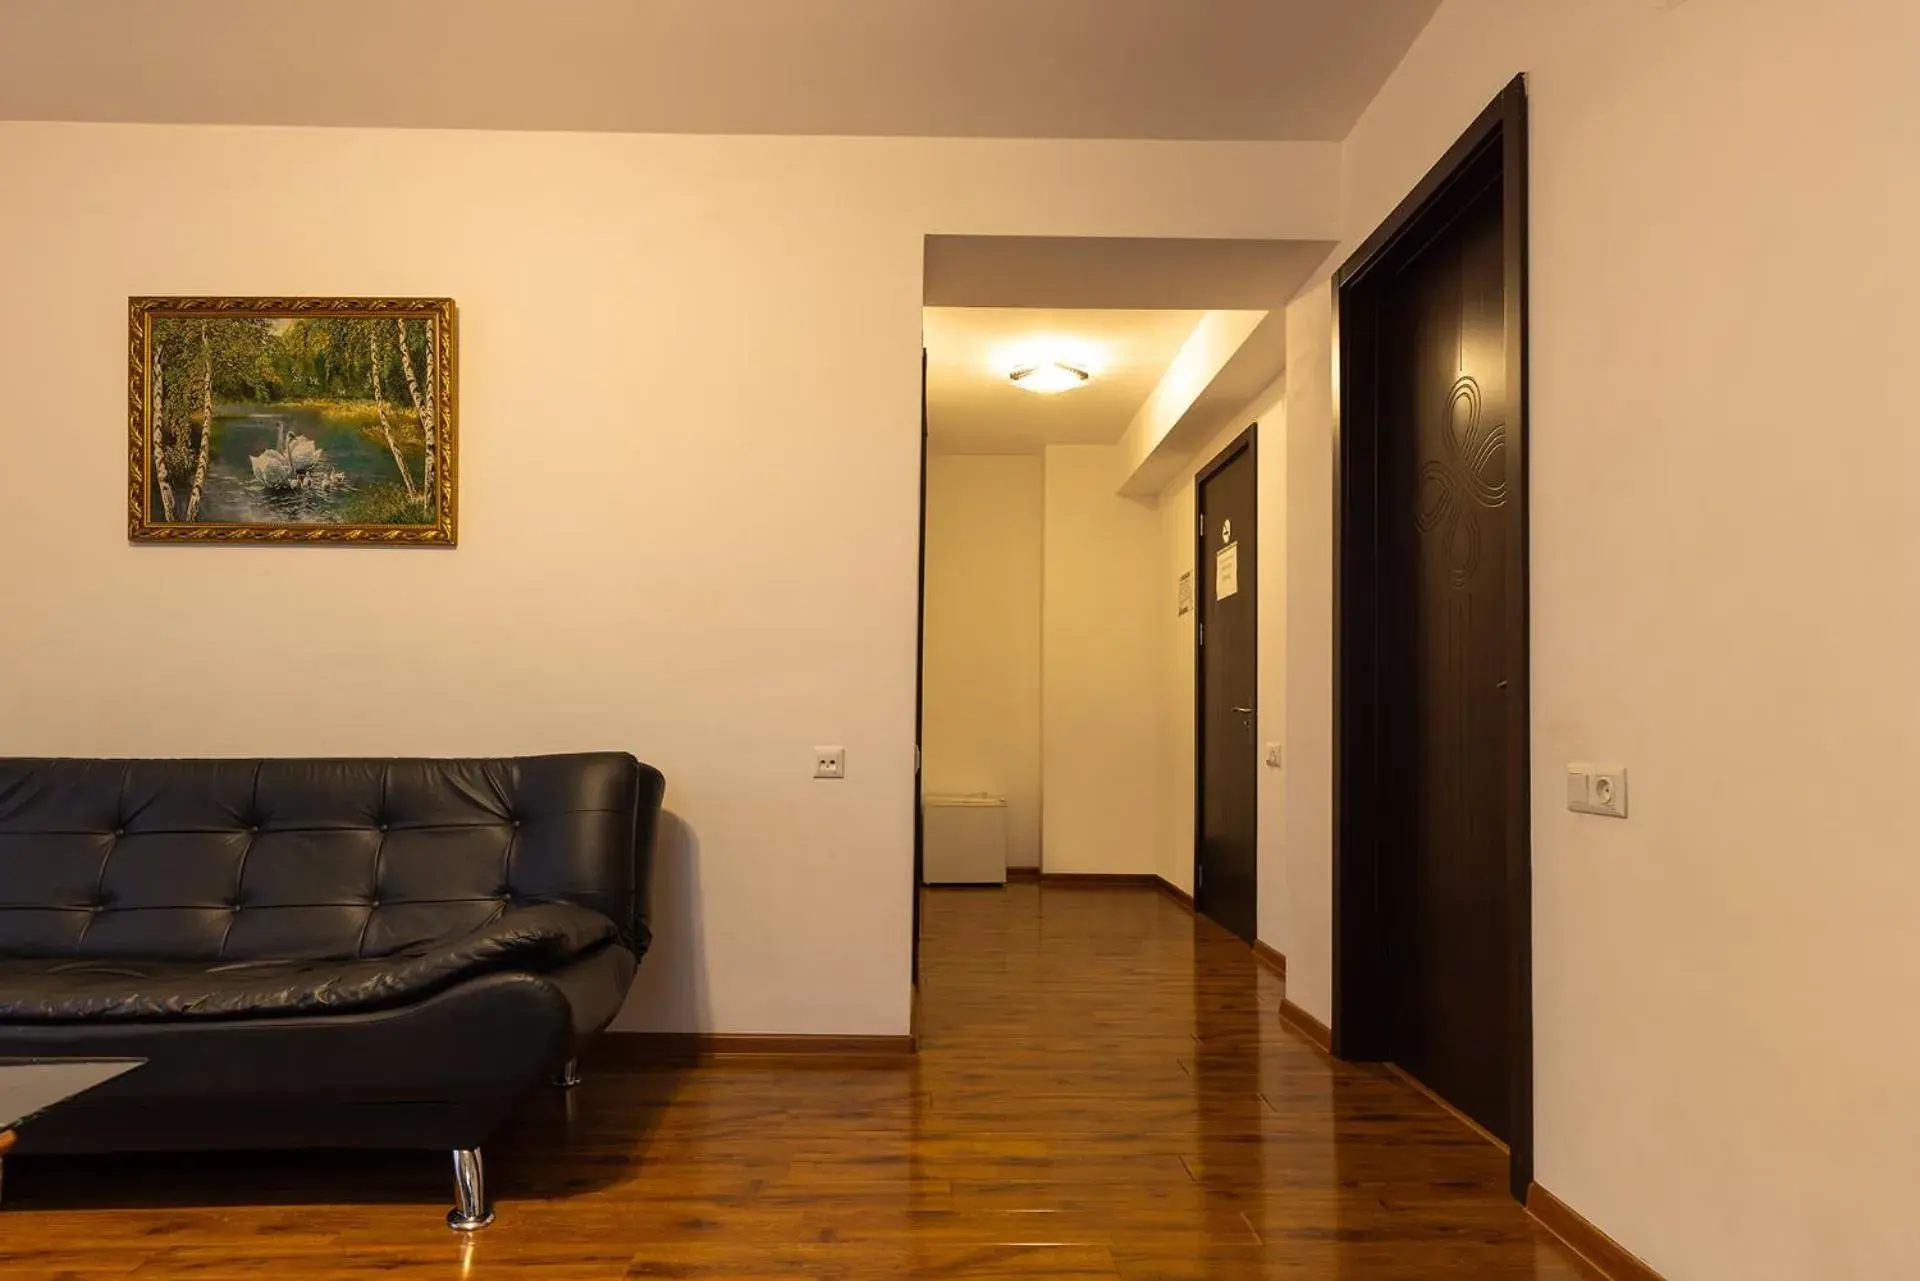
(829, 762)
(1597, 789)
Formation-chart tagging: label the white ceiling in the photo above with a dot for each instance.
(1222, 69)
(973, 409)
(1139, 298)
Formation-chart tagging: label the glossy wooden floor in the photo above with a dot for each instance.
(1104, 1090)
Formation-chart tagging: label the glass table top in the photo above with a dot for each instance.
(31, 1086)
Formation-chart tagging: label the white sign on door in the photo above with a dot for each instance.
(1226, 571)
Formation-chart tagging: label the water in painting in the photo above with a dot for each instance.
(313, 420)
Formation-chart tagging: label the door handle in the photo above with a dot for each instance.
(1244, 711)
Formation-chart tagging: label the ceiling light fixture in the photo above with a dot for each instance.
(1049, 377)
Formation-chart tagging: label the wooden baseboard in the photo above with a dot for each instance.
(1022, 875)
(1275, 960)
(616, 1051)
(1272, 958)
(1479, 1129)
(1087, 879)
(1611, 1259)
(1306, 1025)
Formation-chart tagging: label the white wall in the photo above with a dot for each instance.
(1100, 666)
(1306, 923)
(1178, 518)
(1155, 446)
(689, 453)
(1275, 896)
(1173, 832)
(1724, 598)
(982, 729)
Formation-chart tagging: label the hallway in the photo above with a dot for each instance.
(1104, 1090)
(1152, 1108)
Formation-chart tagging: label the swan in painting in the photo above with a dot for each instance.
(292, 463)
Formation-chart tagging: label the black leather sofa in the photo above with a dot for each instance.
(317, 953)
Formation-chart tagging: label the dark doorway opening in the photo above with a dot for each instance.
(1432, 859)
(1226, 880)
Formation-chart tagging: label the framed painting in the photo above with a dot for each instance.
(292, 420)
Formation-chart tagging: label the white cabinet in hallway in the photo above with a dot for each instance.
(966, 840)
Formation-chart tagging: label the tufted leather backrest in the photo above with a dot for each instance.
(252, 859)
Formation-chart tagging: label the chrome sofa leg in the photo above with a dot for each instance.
(569, 1074)
(470, 1210)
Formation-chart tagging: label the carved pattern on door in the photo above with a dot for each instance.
(1472, 473)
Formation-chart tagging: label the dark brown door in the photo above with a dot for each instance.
(1448, 536)
(1432, 868)
(1226, 879)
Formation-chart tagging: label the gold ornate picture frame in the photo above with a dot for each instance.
(292, 420)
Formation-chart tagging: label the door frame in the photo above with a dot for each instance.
(1247, 443)
(1362, 976)
(920, 696)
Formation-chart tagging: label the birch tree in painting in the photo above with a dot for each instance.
(423, 412)
(158, 399)
(380, 407)
(206, 423)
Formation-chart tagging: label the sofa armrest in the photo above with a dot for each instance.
(533, 936)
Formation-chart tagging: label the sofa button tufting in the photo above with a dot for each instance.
(119, 831)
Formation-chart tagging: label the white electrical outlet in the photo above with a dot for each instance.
(1597, 789)
(829, 762)
(1608, 795)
